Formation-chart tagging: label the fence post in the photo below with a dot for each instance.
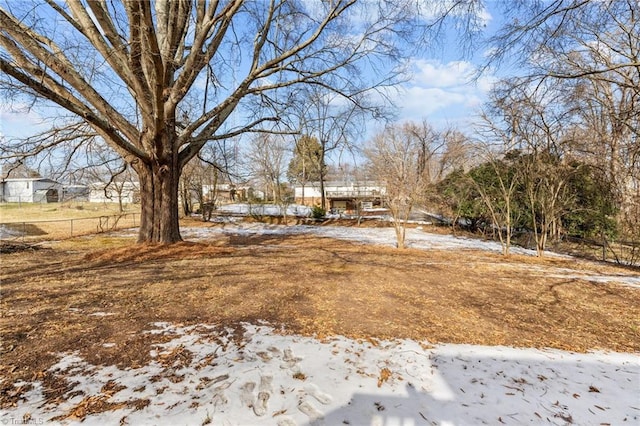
(24, 230)
(71, 221)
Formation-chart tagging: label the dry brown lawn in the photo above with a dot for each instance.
(35, 222)
(19, 212)
(55, 299)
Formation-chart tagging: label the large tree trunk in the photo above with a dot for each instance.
(159, 203)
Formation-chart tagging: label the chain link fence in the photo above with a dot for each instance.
(57, 229)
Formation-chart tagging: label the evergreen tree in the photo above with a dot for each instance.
(305, 165)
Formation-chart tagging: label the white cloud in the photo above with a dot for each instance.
(486, 82)
(485, 16)
(431, 73)
(442, 91)
(421, 102)
(19, 121)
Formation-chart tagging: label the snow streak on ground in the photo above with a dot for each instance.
(416, 238)
(265, 378)
(264, 210)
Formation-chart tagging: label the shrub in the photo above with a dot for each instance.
(318, 212)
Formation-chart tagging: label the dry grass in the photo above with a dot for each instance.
(31, 222)
(19, 212)
(307, 284)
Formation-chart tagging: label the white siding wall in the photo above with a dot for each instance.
(18, 191)
(23, 190)
(130, 194)
(310, 191)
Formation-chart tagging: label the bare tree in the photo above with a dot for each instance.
(608, 140)
(266, 162)
(456, 153)
(17, 170)
(570, 39)
(495, 180)
(591, 48)
(543, 124)
(332, 122)
(134, 72)
(431, 145)
(395, 159)
(113, 177)
(452, 189)
(200, 179)
(497, 186)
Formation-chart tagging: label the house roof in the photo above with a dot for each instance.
(125, 184)
(29, 180)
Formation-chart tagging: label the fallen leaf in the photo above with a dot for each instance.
(385, 373)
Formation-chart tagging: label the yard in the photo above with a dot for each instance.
(33, 222)
(108, 304)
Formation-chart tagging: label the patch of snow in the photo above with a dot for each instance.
(629, 281)
(7, 232)
(264, 209)
(226, 219)
(101, 314)
(572, 274)
(268, 379)
(415, 238)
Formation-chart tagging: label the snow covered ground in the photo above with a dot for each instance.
(263, 209)
(416, 238)
(206, 375)
(383, 236)
(269, 379)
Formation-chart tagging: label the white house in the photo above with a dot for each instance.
(30, 190)
(226, 192)
(75, 193)
(115, 192)
(342, 196)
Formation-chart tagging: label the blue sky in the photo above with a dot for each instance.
(442, 89)
(442, 92)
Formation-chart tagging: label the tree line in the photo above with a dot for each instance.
(548, 159)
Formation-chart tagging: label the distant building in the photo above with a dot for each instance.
(75, 193)
(229, 193)
(115, 192)
(342, 196)
(30, 190)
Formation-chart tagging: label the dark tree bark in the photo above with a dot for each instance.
(159, 204)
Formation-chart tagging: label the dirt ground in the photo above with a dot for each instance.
(84, 292)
